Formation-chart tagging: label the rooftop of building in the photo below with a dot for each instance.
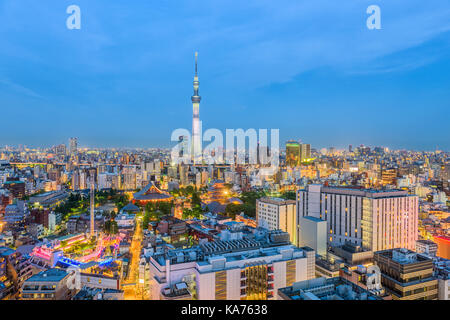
(69, 236)
(313, 219)
(47, 194)
(403, 256)
(151, 193)
(426, 242)
(351, 247)
(215, 207)
(131, 207)
(172, 219)
(88, 293)
(232, 250)
(215, 216)
(336, 288)
(329, 265)
(442, 268)
(13, 182)
(178, 290)
(275, 200)
(358, 191)
(199, 227)
(244, 216)
(5, 251)
(50, 275)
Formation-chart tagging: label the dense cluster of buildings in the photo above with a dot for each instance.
(110, 224)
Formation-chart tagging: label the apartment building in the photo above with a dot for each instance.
(15, 268)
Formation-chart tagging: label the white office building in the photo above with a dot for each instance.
(244, 269)
(312, 232)
(277, 213)
(374, 219)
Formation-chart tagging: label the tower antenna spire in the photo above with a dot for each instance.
(196, 124)
(196, 58)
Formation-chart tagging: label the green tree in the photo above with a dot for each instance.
(189, 190)
(121, 201)
(195, 200)
(289, 195)
(233, 209)
(146, 220)
(195, 212)
(249, 201)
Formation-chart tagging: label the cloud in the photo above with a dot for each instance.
(254, 43)
(17, 88)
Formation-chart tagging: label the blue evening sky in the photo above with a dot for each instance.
(309, 68)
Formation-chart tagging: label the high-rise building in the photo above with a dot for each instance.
(445, 172)
(196, 125)
(92, 201)
(184, 175)
(15, 213)
(305, 152)
(73, 146)
(184, 143)
(15, 186)
(292, 153)
(40, 216)
(75, 180)
(374, 219)
(83, 180)
(277, 213)
(60, 149)
(407, 275)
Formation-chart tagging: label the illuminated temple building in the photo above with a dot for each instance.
(218, 192)
(151, 193)
(219, 197)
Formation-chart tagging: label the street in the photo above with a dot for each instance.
(130, 284)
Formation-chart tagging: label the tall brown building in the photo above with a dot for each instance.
(40, 216)
(407, 275)
(16, 187)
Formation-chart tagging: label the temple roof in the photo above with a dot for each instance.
(131, 207)
(151, 192)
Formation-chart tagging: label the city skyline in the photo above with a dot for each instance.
(312, 164)
(87, 146)
(382, 87)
